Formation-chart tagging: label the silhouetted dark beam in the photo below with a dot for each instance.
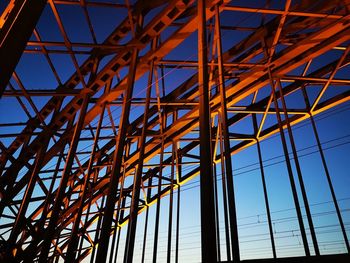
(208, 235)
(16, 26)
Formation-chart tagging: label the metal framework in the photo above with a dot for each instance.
(96, 167)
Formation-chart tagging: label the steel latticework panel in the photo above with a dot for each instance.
(174, 131)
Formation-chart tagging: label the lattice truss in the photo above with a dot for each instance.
(115, 126)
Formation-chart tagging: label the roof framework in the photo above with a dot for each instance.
(167, 93)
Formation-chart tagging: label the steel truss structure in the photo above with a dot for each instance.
(122, 133)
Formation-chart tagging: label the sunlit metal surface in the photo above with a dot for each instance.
(93, 169)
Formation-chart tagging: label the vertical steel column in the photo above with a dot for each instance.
(114, 236)
(98, 230)
(156, 227)
(30, 251)
(118, 154)
(177, 223)
(224, 192)
(208, 235)
(130, 238)
(117, 244)
(20, 218)
(325, 167)
(171, 201)
(74, 238)
(289, 167)
(266, 197)
(215, 180)
(15, 32)
(217, 212)
(161, 159)
(149, 191)
(178, 177)
(299, 173)
(226, 150)
(121, 215)
(118, 213)
(96, 172)
(47, 238)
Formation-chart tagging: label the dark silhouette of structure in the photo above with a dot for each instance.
(121, 132)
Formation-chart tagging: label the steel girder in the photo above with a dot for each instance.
(325, 34)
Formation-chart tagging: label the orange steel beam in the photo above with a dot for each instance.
(149, 32)
(281, 12)
(117, 92)
(296, 119)
(333, 33)
(193, 173)
(113, 39)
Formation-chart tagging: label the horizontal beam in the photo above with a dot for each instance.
(281, 12)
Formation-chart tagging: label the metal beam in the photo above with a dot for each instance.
(208, 235)
(16, 26)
